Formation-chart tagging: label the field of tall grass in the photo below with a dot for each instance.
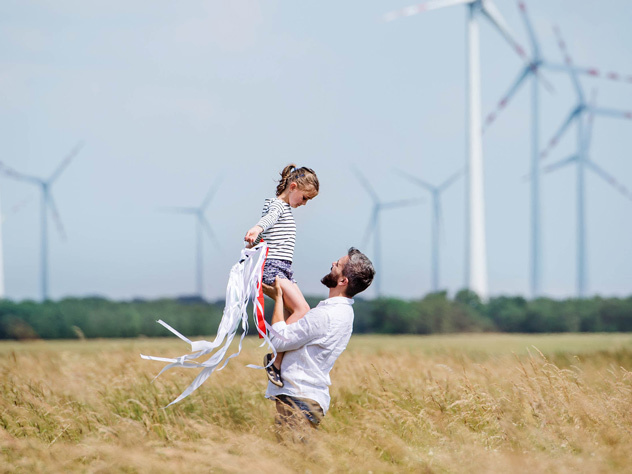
(463, 403)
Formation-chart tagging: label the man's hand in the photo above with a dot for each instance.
(275, 292)
(268, 290)
(278, 291)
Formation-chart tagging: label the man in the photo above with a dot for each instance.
(313, 343)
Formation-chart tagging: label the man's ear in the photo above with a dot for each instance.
(343, 281)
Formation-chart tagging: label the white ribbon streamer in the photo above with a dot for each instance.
(243, 283)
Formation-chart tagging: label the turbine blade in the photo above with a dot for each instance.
(609, 179)
(448, 182)
(556, 138)
(547, 85)
(53, 208)
(624, 114)
(559, 164)
(611, 76)
(569, 63)
(422, 7)
(365, 184)
(494, 16)
(209, 232)
(401, 203)
(369, 228)
(592, 72)
(507, 97)
(416, 180)
(211, 193)
(536, 47)
(66, 161)
(11, 173)
(530, 31)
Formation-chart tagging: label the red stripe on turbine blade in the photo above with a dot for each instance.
(593, 72)
(502, 103)
(628, 115)
(490, 118)
(613, 75)
(522, 7)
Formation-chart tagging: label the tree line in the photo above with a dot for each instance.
(436, 313)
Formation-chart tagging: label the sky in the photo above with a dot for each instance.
(172, 97)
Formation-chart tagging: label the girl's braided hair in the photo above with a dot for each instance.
(303, 177)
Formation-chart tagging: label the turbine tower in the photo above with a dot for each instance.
(374, 225)
(532, 70)
(475, 251)
(577, 115)
(437, 217)
(47, 203)
(201, 226)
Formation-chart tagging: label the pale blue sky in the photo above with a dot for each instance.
(167, 95)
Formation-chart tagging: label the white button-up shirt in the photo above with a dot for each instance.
(312, 345)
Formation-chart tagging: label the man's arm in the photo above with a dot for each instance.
(296, 335)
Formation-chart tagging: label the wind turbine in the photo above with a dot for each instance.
(47, 203)
(374, 225)
(576, 115)
(531, 70)
(435, 191)
(201, 225)
(475, 250)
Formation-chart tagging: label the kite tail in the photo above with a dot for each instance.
(244, 284)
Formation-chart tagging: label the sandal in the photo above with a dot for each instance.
(274, 374)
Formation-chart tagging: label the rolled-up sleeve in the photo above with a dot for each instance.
(293, 336)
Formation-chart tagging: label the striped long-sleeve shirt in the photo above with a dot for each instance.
(279, 229)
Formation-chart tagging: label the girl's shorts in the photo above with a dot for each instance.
(280, 268)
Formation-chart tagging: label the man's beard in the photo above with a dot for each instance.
(329, 280)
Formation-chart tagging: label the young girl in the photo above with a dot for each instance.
(278, 229)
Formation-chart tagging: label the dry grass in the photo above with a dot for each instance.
(470, 403)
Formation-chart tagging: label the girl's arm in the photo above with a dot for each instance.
(274, 211)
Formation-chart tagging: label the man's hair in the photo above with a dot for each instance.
(359, 271)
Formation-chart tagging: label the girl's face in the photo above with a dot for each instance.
(298, 197)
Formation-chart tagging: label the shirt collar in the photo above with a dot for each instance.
(336, 300)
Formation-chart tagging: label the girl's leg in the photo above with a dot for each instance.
(296, 306)
(293, 300)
